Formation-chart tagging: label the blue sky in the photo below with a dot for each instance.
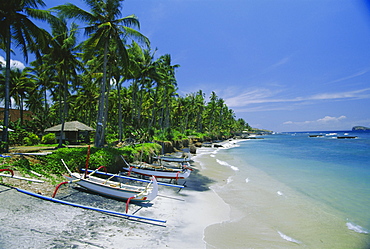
(282, 65)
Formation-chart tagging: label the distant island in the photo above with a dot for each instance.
(360, 128)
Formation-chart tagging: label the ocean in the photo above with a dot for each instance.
(292, 190)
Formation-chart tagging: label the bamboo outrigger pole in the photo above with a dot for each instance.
(133, 178)
(87, 207)
(18, 177)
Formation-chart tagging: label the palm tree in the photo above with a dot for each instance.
(38, 101)
(169, 87)
(20, 86)
(104, 27)
(16, 26)
(63, 58)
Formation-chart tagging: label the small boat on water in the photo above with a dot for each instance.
(115, 189)
(346, 137)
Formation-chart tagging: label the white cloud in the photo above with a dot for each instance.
(269, 96)
(13, 63)
(359, 73)
(357, 94)
(324, 120)
(331, 119)
(281, 62)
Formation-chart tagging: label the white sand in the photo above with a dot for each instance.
(28, 222)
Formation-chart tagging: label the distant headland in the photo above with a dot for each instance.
(360, 128)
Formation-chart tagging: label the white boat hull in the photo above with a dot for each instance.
(172, 159)
(115, 189)
(158, 173)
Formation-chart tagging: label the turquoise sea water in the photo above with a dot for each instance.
(307, 191)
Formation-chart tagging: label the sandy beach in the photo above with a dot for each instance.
(29, 222)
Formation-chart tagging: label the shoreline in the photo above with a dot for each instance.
(38, 223)
(267, 213)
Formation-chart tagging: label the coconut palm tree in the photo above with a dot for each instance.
(21, 85)
(65, 63)
(16, 26)
(105, 26)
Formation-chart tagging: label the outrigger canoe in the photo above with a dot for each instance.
(158, 171)
(172, 159)
(116, 190)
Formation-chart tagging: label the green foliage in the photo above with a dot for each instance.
(195, 134)
(75, 158)
(169, 135)
(49, 138)
(151, 107)
(5, 162)
(177, 136)
(111, 137)
(143, 152)
(22, 163)
(31, 139)
(23, 137)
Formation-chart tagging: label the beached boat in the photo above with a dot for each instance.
(172, 159)
(158, 171)
(115, 189)
(110, 188)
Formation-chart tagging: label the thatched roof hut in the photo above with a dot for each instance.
(73, 131)
(70, 126)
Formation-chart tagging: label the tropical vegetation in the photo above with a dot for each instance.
(111, 80)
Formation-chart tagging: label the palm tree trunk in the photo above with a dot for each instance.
(63, 110)
(5, 138)
(119, 112)
(21, 109)
(106, 105)
(99, 135)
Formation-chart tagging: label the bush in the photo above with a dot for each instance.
(31, 139)
(49, 139)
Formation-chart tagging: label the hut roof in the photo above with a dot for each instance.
(70, 126)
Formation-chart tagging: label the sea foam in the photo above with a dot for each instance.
(229, 180)
(288, 238)
(226, 164)
(356, 228)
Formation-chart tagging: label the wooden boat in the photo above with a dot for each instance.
(134, 179)
(116, 190)
(158, 171)
(172, 159)
(346, 137)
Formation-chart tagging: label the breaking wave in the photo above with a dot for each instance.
(356, 228)
(288, 238)
(228, 165)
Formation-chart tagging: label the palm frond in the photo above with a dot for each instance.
(132, 33)
(129, 21)
(71, 11)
